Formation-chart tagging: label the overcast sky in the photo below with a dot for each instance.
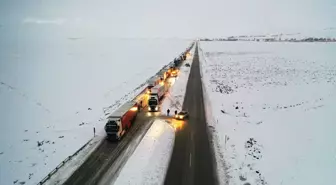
(158, 18)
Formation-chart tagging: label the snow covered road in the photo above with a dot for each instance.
(272, 110)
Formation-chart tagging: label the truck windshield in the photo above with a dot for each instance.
(152, 102)
(111, 126)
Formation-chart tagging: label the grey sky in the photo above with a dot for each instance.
(157, 18)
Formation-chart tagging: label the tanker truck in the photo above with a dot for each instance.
(119, 122)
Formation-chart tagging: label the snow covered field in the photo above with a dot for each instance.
(273, 111)
(150, 160)
(53, 92)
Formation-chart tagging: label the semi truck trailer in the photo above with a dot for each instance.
(119, 122)
(155, 96)
(153, 82)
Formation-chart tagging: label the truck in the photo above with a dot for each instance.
(155, 96)
(120, 121)
(152, 82)
(141, 100)
(173, 71)
(177, 62)
(163, 74)
(188, 55)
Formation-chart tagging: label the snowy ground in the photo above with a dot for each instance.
(273, 111)
(175, 96)
(150, 160)
(53, 92)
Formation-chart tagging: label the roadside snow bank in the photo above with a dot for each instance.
(175, 96)
(150, 160)
(272, 111)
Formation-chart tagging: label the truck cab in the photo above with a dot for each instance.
(113, 127)
(119, 122)
(153, 104)
(155, 96)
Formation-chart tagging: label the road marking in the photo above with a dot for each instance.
(190, 160)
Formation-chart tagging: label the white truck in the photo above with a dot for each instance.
(120, 121)
(152, 82)
(155, 96)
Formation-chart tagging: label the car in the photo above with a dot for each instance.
(187, 65)
(182, 115)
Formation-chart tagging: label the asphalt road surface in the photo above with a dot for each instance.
(192, 160)
(101, 160)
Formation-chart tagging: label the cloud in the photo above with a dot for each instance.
(31, 20)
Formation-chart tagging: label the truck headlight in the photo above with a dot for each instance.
(149, 108)
(156, 108)
(181, 117)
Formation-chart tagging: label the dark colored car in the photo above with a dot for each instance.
(182, 115)
(187, 65)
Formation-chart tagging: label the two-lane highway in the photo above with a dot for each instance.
(192, 160)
